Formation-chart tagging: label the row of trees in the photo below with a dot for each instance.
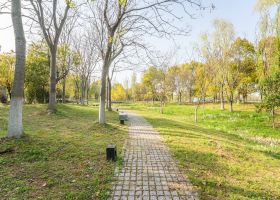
(107, 30)
(228, 69)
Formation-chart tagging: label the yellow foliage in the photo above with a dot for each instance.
(118, 92)
(7, 62)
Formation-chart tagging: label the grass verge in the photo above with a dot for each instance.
(62, 156)
(225, 155)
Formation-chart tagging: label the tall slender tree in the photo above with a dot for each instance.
(124, 23)
(51, 25)
(15, 126)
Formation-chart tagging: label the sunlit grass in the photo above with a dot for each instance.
(62, 156)
(226, 155)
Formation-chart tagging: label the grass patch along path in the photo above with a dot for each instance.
(226, 155)
(62, 156)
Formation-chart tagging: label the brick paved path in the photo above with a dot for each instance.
(148, 172)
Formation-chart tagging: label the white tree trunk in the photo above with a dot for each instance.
(222, 98)
(102, 112)
(15, 126)
(103, 94)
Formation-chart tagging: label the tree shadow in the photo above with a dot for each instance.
(205, 169)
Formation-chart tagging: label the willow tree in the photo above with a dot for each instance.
(15, 126)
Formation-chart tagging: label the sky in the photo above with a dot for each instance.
(239, 12)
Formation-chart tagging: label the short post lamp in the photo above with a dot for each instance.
(111, 152)
(122, 118)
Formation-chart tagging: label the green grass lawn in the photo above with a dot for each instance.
(225, 155)
(62, 156)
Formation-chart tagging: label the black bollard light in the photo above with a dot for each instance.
(111, 152)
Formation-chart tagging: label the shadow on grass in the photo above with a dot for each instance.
(209, 170)
(275, 155)
(197, 131)
(62, 155)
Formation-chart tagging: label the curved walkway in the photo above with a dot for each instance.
(149, 172)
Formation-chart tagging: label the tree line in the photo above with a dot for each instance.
(228, 69)
(87, 34)
(78, 46)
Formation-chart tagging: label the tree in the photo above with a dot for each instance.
(149, 81)
(173, 83)
(118, 92)
(65, 54)
(15, 124)
(51, 24)
(133, 86)
(7, 62)
(200, 84)
(241, 76)
(187, 79)
(271, 95)
(122, 24)
(206, 52)
(269, 45)
(85, 64)
(223, 37)
(37, 73)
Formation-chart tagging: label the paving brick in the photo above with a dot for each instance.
(149, 172)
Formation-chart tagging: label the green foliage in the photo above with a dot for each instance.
(37, 73)
(271, 95)
(7, 62)
(242, 70)
(149, 82)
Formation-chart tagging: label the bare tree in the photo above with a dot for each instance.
(51, 23)
(66, 54)
(88, 61)
(162, 63)
(15, 126)
(120, 24)
(223, 37)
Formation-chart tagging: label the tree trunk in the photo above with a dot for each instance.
(180, 96)
(273, 117)
(204, 107)
(222, 98)
(190, 96)
(109, 95)
(83, 88)
(15, 125)
(231, 103)
(52, 95)
(161, 107)
(9, 89)
(63, 90)
(88, 91)
(77, 92)
(195, 113)
(105, 69)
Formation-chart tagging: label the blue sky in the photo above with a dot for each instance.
(239, 12)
